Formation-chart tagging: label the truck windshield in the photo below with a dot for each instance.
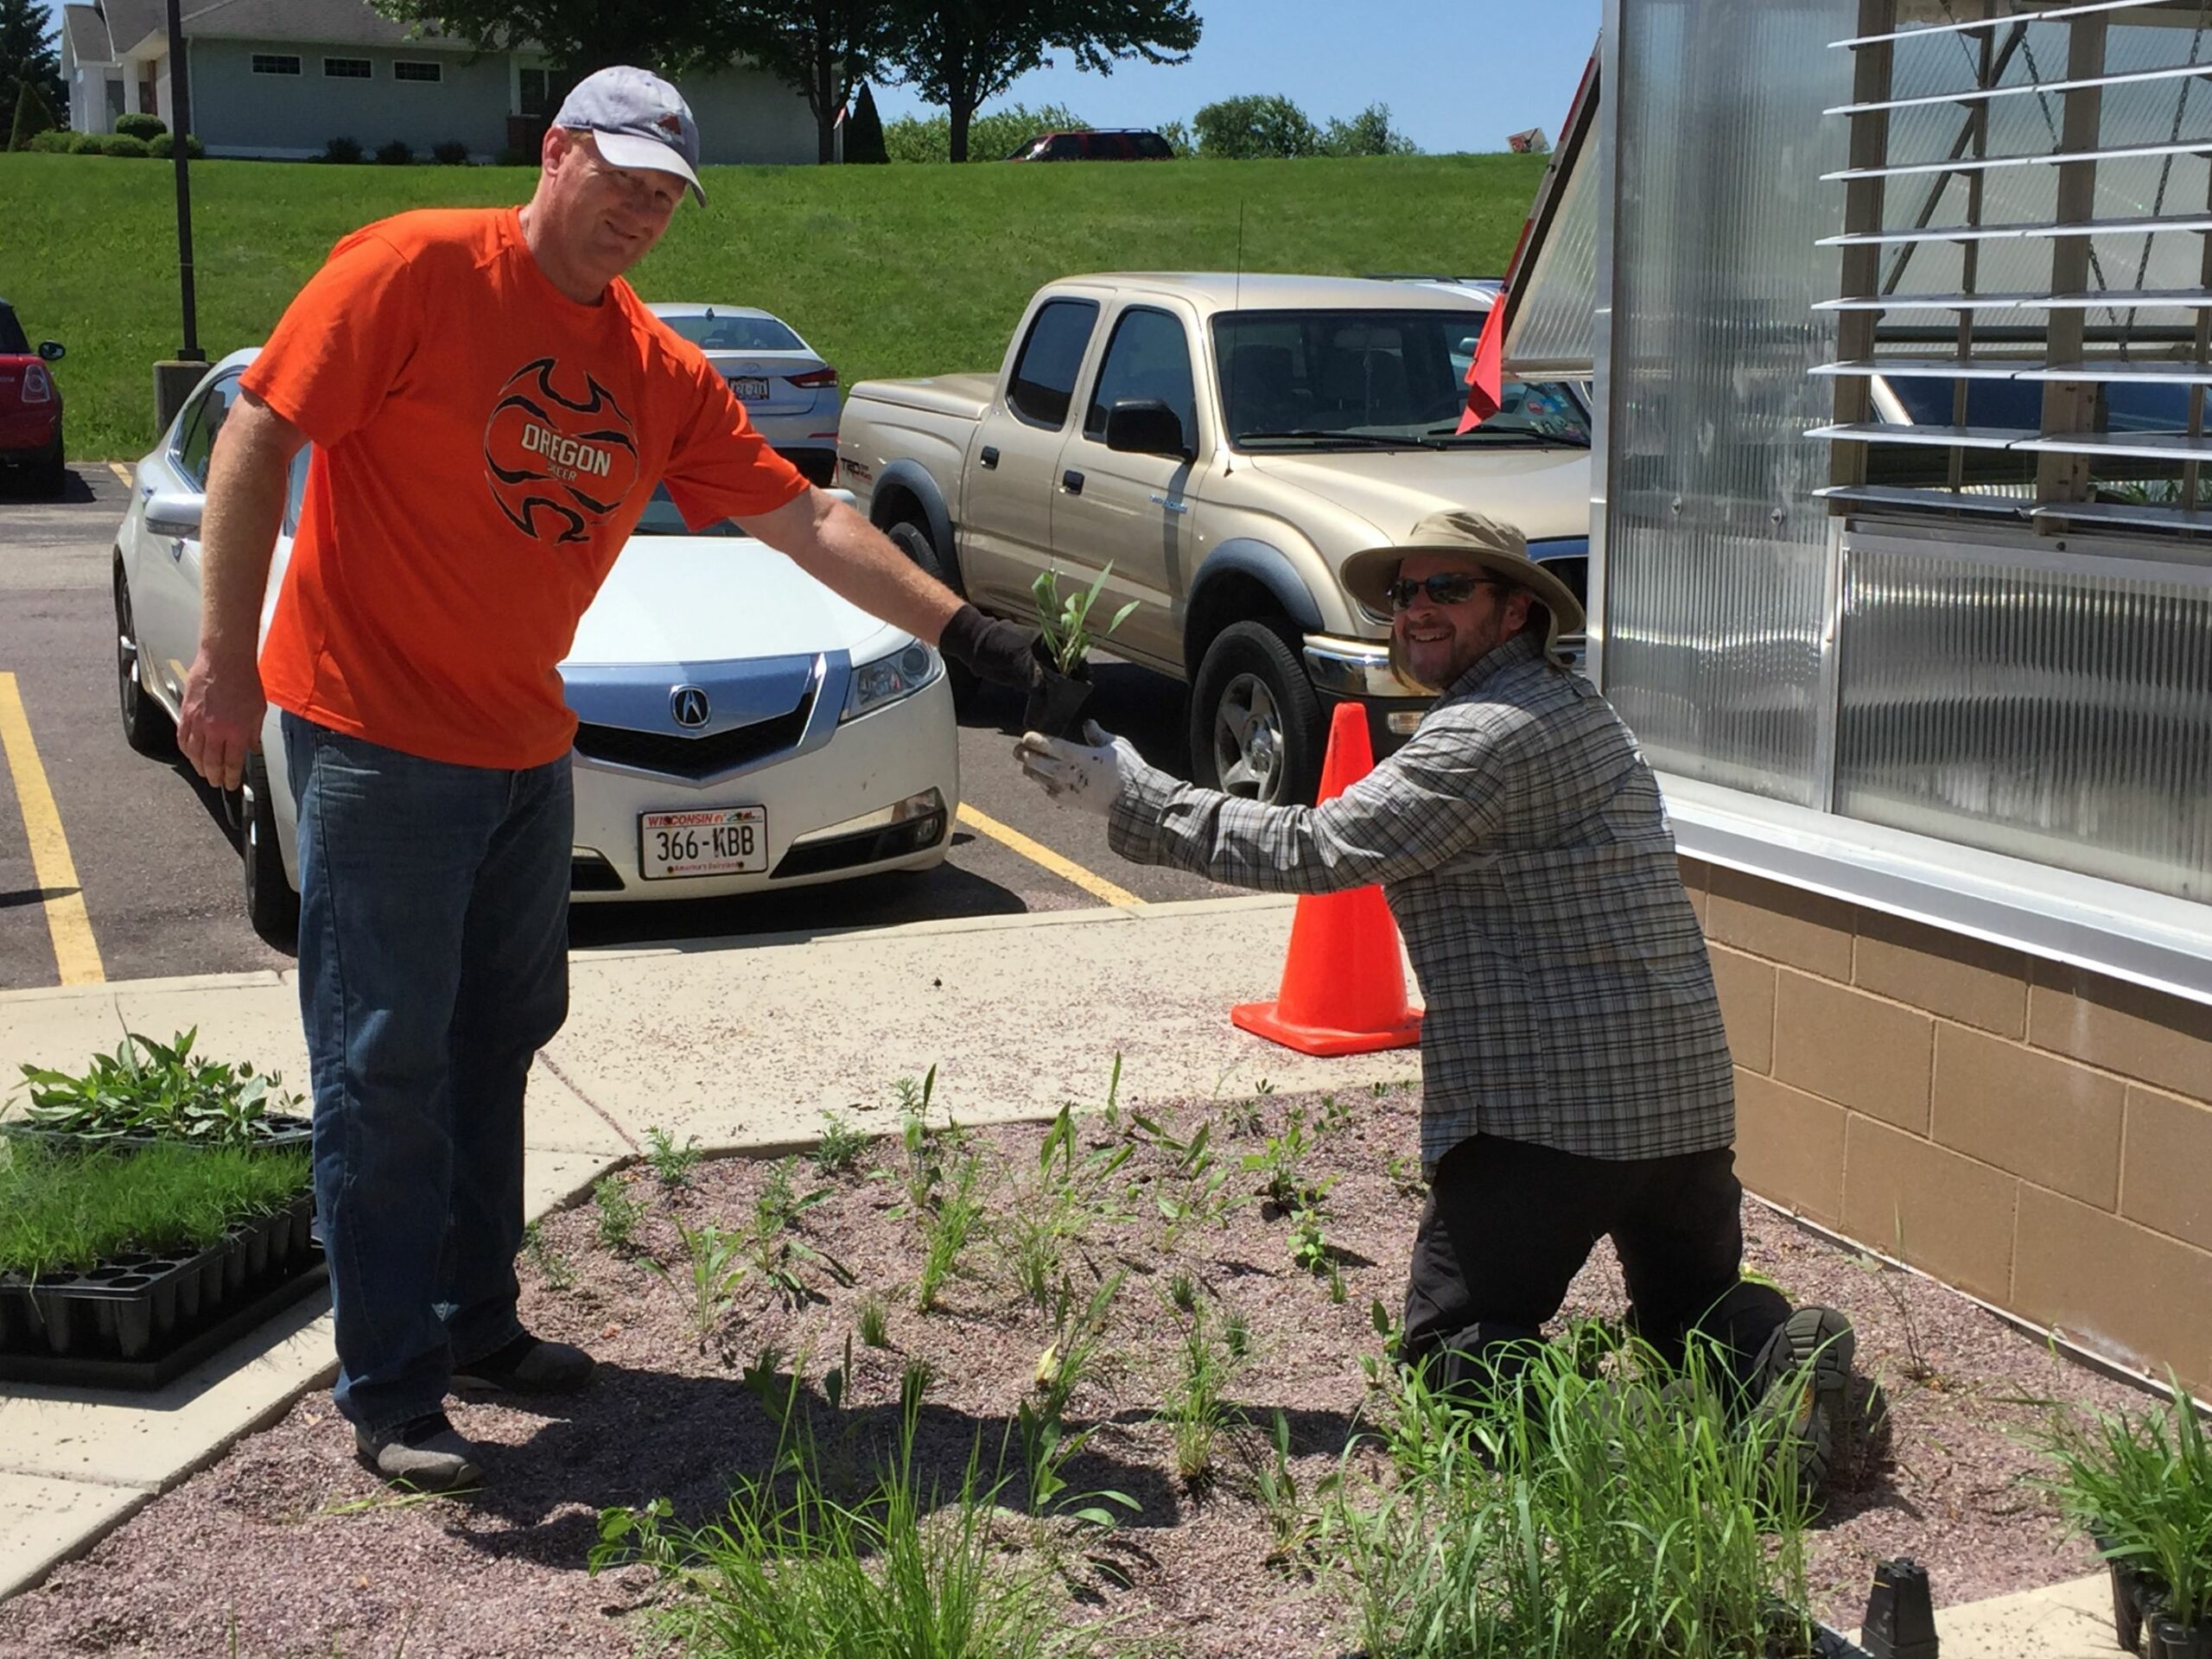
(1372, 378)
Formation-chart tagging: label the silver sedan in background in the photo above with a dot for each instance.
(789, 391)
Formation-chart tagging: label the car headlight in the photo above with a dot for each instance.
(886, 680)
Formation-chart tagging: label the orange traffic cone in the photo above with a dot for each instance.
(1343, 990)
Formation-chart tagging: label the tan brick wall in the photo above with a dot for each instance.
(2035, 1133)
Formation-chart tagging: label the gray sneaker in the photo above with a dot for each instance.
(1800, 1379)
(426, 1455)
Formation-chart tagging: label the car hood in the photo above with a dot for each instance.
(1542, 492)
(707, 599)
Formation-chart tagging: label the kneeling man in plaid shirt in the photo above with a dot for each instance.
(1576, 1079)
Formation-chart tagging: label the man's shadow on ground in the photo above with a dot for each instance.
(640, 1435)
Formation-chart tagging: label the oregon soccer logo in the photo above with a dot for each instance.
(558, 464)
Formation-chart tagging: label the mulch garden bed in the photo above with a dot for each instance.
(286, 1546)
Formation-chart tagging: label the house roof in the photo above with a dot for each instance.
(87, 33)
(105, 31)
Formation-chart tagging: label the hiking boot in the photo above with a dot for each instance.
(528, 1366)
(426, 1455)
(1800, 1380)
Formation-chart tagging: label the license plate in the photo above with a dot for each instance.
(749, 389)
(714, 841)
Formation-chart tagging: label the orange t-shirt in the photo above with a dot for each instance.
(484, 445)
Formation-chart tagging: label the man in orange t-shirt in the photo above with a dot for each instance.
(491, 407)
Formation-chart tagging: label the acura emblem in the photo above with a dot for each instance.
(686, 705)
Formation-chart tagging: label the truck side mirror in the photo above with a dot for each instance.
(1146, 426)
(53, 350)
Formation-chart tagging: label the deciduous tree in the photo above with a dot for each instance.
(577, 36)
(823, 49)
(960, 53)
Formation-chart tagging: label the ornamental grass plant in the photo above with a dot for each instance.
(64, 1212)
(2140, 1482)
(1612, 1512)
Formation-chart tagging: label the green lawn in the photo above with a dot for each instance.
(886, 271)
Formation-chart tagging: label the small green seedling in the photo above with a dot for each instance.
(874, 1321)
(839, 1149)
(717, 1266)
(558, 1272)
(672, 1165)
(619, 1213)
(1065, 623)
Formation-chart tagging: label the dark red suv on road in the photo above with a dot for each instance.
(1117, 144)
(31, 405)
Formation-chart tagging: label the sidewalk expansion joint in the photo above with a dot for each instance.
(584, 1095)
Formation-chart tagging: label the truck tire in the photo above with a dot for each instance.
(913, 540)
(1256, 728)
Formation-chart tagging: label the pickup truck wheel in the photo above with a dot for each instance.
(1255, 723)
(914, 541)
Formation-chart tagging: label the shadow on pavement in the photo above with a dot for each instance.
(16, 484)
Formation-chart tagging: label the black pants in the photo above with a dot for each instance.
(1509, 1223)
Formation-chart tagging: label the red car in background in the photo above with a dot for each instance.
(31, 405)
(1110, 144)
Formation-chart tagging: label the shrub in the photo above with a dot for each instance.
(1242, 129)
(86, 143)
(864, 131)
(1368, 133)
(122, 143)
(34, 115)
(165, 146)
(343, 152)
(991, 137)
(397, 153)
(55, 142)
(135, 125)
(451, 153)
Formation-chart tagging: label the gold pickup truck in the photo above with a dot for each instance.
(1225, 442)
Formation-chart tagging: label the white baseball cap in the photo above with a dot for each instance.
(639, 120)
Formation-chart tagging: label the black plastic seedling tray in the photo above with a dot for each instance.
(286, 1132)
(140, 1321)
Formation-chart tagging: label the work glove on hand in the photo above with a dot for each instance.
(1003, 652)
(1088, 775)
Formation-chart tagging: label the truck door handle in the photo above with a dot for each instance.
(989, 455)
(1172, 506)
(1071, 481)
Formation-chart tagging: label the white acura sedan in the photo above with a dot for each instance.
(741, 728)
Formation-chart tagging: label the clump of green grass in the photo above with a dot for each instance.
(790, 1568)
(64, 1212)
(1563, 1516)
(1196, 1406)
(1055, 1214)
(874, 1321)
(947, 1227)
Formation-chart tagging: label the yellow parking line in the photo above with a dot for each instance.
(51, 867)
(1096, 885)
(121, 472)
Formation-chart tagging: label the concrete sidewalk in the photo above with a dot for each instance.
(742, 1043)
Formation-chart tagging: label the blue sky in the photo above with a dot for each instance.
(1457, 75)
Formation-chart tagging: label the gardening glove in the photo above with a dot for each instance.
(1088, 775)
(1003, 652)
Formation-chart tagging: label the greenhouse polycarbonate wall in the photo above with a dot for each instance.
(1716, 556)
(2055, 714)
(1552, 330)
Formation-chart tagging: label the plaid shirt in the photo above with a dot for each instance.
(1519, 839)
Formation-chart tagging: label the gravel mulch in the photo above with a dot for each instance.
(287, 1547)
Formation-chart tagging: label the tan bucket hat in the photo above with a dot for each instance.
(1498, 548)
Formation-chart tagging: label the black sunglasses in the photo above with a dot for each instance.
(1445, 588)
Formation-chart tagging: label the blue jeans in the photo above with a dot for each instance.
(433, 921)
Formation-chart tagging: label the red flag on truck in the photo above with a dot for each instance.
(1485, 395)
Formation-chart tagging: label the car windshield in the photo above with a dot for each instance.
(727, 332)
(661, 519)
(12, 342)
(1373, 379)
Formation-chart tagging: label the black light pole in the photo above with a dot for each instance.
(174, 379)
(179, 124)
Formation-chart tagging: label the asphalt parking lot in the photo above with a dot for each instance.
(114, 865)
